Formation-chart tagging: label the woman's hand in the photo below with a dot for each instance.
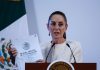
(40, 61)
(13, 54)
(12, 51)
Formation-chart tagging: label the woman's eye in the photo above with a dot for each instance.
(60, 24)
(53, 23)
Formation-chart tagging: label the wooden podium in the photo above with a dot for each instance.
(77, 66)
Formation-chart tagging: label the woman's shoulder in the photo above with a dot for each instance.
(45, 45)
(74, 44)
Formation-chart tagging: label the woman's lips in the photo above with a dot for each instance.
(56, 33)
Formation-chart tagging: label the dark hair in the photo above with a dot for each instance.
(62, 14)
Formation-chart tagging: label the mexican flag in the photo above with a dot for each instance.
(13, 19)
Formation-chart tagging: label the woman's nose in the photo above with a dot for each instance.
(56, 26)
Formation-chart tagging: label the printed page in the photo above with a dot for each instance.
(28, 50)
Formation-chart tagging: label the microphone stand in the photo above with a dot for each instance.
(71, 52)
(49, 51)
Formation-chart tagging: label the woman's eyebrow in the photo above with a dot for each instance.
(52, 21)
(60, 22)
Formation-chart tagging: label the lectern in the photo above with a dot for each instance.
(77, 66)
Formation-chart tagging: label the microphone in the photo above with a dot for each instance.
(49, 51)
(71, 52)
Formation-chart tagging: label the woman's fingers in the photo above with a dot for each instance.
(13, 51)
(40, 61)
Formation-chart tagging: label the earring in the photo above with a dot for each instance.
(49, 33)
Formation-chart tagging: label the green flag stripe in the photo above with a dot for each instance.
(10, 11)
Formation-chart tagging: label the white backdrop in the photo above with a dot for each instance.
(83, 20)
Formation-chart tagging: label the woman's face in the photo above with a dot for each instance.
(57, 26)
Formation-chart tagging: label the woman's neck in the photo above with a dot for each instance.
(58, 40)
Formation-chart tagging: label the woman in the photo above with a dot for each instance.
(60, 48)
